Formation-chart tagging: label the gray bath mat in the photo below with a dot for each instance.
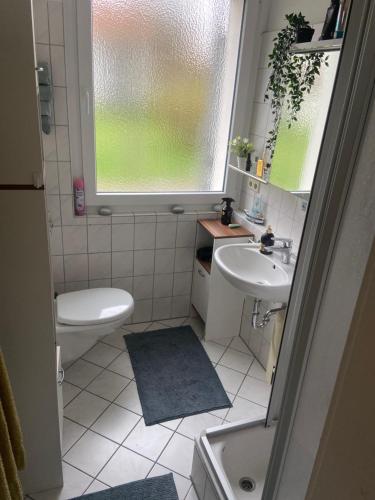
(154, 488)
(174, 376)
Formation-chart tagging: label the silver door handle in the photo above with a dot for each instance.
(201, 273)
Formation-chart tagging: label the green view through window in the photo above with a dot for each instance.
(164, 75)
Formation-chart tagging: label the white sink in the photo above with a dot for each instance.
(254, 273)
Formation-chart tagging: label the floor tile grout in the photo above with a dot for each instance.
(112, 401)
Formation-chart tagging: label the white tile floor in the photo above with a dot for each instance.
(105, 440)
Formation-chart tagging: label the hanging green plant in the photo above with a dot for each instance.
(292, 75)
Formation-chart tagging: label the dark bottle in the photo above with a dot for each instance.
(328, 30)
(227, 211)
(267, 240)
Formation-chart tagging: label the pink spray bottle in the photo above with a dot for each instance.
(79, 196)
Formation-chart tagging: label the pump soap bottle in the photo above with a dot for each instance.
(227, 211)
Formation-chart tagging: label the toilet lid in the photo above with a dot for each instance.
(94, 306)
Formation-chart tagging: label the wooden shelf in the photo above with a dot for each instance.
(317, 46)
(248, 174)
(218, 230)
(205, 264)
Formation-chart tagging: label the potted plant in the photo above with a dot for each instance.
(304, 32)
(292, 75)
(242, 148)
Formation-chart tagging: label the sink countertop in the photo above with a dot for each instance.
(218, 230)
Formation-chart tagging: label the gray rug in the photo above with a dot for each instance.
(174, 376)
(153, 488)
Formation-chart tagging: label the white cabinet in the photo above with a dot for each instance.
(200, 290)
(218, 303)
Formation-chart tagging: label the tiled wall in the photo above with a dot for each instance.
(149, 255)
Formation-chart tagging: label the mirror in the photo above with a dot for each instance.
(297, 148)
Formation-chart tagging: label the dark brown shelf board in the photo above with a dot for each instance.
(218, 230)
(205, 264)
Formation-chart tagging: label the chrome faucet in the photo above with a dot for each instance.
(285, 248)
(271, 243)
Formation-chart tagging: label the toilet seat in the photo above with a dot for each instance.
(95, 306)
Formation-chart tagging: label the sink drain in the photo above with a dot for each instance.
(247, 484)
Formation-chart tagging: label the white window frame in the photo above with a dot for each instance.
(81, 105)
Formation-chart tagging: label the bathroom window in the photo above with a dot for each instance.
(157, 83)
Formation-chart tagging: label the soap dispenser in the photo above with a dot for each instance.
(227, 211)
(267, 240)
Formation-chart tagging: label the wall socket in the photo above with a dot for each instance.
(254, 185)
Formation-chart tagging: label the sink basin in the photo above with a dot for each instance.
(251, 272)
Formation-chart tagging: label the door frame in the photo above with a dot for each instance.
(333, 180)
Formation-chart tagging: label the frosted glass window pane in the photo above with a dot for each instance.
(162, 93)
(297, 148)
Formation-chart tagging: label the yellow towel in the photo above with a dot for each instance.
(12, 453)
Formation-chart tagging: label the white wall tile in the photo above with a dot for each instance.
(259, 124)
(56, 241)
(261, 85)
(187, 216)
(56, 22)
(181, 306)
(58, 66)
(122, 264)
(99, 265)
(123, 283)
(186, 231)
(99, 238)
(144, 217)
(144, 262)
(102, 283)
(122, 237)
(65, 178)
(51, 178)
(75, 286)
(74, 239)
(43, 53)
(49, 145)
(142, 311)
(164, 261)
(182, 283)
(166, 234)
(57, 269)
(166, 217)
(53, 209)
(162, 308)
(93, 220)
(67, 213)
(60, 106)
(76, 267)
(142, 287)
(62, 143)
(163, 285)
(41, 21)
(123, 218)
(184, 260)
(144, 236)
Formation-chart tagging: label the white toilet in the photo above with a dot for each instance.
(83, 317)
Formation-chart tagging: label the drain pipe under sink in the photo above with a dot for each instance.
(266, 316)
